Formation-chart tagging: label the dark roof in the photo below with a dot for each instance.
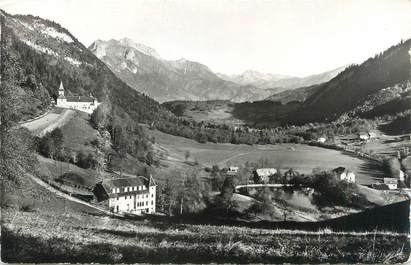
(152, 182)
(380, 186)
(125, 182)
(79, 99)
(339, 170)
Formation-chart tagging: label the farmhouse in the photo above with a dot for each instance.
(82, 103)
(392, 183)
(133, 195)
(364, 136)
(344, 174)
(263, 174)
(232, 170)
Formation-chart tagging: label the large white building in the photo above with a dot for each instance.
(82, 103)
(128, 195)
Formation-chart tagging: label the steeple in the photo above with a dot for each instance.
(152, 182)
(61, 89)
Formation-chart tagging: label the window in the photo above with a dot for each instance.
(152, 195)
(139, 187)
(117, 198)
(146, 203)
(147, 196)
(114, 190)
(126, 189)
(118, 190)
(152, 202)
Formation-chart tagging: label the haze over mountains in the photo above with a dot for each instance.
(143, 69)
(281, 82)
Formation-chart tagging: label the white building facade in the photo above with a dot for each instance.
(135, 195)
(82, 103)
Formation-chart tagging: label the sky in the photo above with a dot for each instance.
(291, 37)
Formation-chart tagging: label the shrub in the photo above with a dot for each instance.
(27, 205)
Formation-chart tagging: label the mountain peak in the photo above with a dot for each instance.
(140, 47)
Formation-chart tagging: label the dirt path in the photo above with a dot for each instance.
(49, 122)
(66, 196)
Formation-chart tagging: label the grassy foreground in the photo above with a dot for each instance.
(82, 237)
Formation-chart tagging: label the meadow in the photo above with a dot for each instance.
(81, 237)
(303, 158)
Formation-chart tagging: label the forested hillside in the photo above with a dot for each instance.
(44, 53)
(356, 86)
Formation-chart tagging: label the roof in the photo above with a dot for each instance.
(266, 171)
(79, 99)
(152, 182)
(121, 183)
(61, 88)
(339, 170)
(380, 186)
(390, 181)
(125, 182)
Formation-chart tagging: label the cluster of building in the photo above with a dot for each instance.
(82, 103)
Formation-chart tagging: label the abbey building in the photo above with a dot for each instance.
(83, 103)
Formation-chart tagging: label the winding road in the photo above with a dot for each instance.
(66, 196)
(50, 121)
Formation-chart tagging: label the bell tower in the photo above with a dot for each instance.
(61, 89)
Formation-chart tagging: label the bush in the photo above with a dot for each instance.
(27, 205)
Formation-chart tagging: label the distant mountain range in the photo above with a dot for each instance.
(281, 82)
(44, 53)
(143, 69)
(379, 86)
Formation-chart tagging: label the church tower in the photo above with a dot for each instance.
(61, 100)
(61, 89)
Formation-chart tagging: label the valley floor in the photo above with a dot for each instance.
(302, 158)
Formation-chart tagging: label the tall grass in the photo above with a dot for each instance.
(34, 236)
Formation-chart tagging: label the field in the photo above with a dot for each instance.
(83, 237)
(302, 158)
(215, 111)
(78, 133)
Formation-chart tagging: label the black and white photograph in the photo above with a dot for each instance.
(205, 131)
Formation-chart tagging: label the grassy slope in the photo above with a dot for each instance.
(78, 133)
(86, 238)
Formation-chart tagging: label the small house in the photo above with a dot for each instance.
(232, 170)
(392, 183)
(133, 195)
(321, 140)
(363, 136)
(263, 174)
(372, 135)
(344, 174)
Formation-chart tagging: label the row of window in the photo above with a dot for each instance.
(128, 189)
(140, 204)
(137, 196)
